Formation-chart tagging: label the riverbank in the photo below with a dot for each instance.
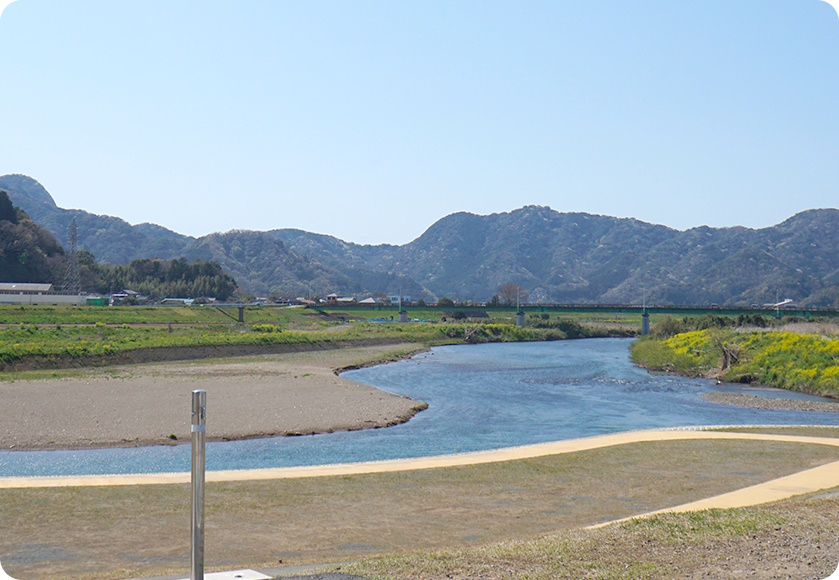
(293, 393)
(795, 361)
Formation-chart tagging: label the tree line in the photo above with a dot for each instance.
(160, 279)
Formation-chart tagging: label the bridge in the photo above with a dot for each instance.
(686, 310)
(807, 313)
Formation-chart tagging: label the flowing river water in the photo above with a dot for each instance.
(480, 397)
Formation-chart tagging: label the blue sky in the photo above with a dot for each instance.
(370, 120)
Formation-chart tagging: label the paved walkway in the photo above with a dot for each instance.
(805, 482)
(808, 481)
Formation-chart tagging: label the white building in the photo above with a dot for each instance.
(42, 294)
(394, 300)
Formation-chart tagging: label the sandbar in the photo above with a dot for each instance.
(262, 396)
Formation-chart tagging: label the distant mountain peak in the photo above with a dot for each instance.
(28, 187)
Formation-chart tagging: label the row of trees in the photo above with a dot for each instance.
(159, 279)
(156, 278)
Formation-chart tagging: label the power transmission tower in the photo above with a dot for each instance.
(72, 277)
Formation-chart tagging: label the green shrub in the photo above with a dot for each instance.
(667, 327)
(656, 355)
(266, 328)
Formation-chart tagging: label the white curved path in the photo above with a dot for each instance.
(816, 479)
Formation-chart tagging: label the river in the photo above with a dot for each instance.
(480, 397)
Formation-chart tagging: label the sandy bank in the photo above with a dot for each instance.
(282, 394)
(770, 403)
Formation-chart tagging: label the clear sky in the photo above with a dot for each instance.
(370, 120)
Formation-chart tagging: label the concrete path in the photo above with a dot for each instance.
(829, 473)
(808, 481)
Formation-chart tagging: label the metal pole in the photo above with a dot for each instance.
(199, 416)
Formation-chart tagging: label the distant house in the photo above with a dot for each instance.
(333, 299)
(119, 297)
(369, 301)
(394, 300)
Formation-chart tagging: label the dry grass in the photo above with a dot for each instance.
(795, 538)
(144, 530)
(823, 328)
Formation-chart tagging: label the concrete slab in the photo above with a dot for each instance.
(4, 576)
(236, 575)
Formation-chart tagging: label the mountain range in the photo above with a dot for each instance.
(556, 257)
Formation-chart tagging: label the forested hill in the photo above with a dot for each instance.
(28, 252)
(583, 258)
(575, 257)
(556, 257)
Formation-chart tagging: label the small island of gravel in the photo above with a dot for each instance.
(770, 403)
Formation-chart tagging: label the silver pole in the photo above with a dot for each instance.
(199, 416)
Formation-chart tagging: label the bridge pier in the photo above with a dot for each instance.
(645, 324)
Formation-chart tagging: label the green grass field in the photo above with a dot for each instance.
(70, 336)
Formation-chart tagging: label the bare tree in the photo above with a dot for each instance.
(512, 293)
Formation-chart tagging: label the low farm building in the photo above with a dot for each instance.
(25, 293)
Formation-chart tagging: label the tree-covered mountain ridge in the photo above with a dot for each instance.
(557, 257)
